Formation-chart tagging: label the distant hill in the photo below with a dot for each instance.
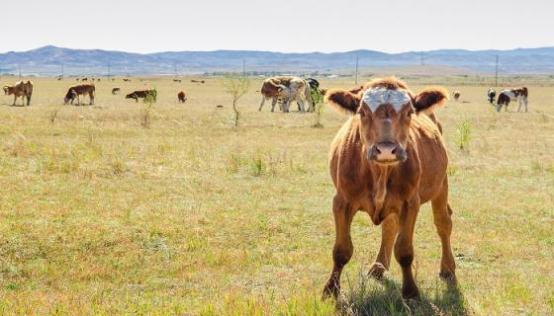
(51, 61)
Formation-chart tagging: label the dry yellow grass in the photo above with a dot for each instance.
(100, 215)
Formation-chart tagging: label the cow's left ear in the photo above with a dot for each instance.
(430, 98)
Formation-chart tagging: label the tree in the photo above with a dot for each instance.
(237, 87)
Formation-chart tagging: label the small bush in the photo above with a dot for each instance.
(464, 135)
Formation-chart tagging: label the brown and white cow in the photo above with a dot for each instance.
(20, 89)
(456, 95)
(387, 160)
(182, 97)
(81, 90)
(286, 90)
(505, 96)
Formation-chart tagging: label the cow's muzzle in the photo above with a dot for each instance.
(387, 153)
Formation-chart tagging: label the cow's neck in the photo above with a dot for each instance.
(380, 178)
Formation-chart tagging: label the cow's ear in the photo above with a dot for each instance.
(430, 98)
(343, 100)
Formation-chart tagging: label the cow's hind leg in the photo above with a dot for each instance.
(404, 248)
(442, 215)
(273, 102)
(343, 249)
(389, 229)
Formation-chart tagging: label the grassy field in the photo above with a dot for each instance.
(100, 215)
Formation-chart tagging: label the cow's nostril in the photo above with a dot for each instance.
(394, 150)
(377, 150)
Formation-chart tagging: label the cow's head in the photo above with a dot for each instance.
(385, 108)
(70, 96)
(6, 90)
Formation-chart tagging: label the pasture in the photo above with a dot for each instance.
(102, 213)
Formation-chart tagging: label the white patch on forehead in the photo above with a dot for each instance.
(376, 97)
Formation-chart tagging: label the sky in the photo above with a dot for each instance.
(282, 26)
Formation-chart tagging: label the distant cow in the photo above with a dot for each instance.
(505, 96)
(491, 94)
(197, 81)
(80, 90)
(182, 97)
(84, 79)
(141, 94)
(20, 89)
(116, 91)
(177, 80)
(456, 95)
(286, 89)
(126, 80)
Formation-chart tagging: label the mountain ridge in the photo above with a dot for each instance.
(52, 60)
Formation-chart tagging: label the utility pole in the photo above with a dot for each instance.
(19, 68)
(175, 69)
(244, 68)
(421, 59)
(61, 66)
(496, 72)
(109, 70)
(356, 75)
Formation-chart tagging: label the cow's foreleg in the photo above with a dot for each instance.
(14, 99)
(342, 251)
(404, 248)
(389, 231)
(442, 214)
(262, 103)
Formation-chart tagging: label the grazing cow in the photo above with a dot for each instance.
(126, 80)
(77, 79)
(286, 90)
(182, 97)
(84, 79)
(81, 90)
(197, 81)
(505, 96)
(177, 80)
(271, 89)
(141, 94)
(491, 94)
(456, 95)
(116, 91)
(20, 89)
(387, 160)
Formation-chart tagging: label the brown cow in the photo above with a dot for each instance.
(20, 89)
(116, 91)
(141, 94)
(182, 97)
(387, 160)
(76, 91)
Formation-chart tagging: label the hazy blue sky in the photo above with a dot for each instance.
(287, 26)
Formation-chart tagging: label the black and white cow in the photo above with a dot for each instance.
(491, 94)
(505, 96)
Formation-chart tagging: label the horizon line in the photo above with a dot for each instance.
(278, 52)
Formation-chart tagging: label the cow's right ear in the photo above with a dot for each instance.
(343, 100)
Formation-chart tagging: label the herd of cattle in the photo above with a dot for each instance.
(282, 90)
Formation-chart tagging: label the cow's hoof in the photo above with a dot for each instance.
(331, 290)
(448, 276)
(410, 292)
(377, 271)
